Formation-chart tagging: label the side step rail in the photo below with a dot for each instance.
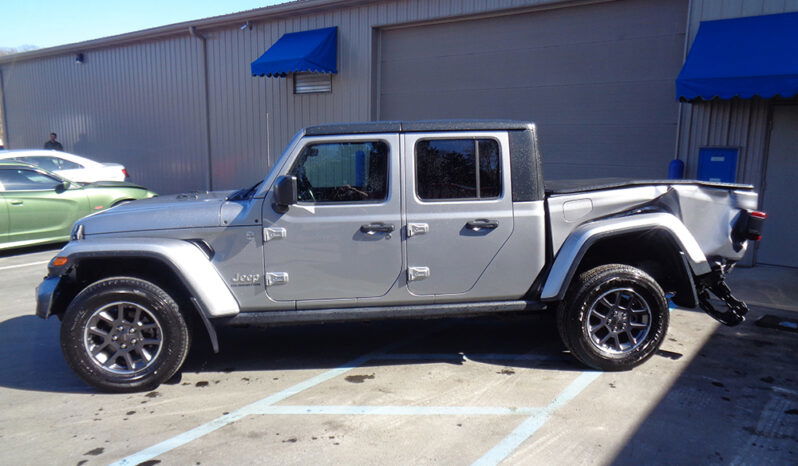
(379, 312)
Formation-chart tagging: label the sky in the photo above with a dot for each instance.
(44, 23)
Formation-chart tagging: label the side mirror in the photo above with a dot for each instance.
(285, 193)
(62, 186)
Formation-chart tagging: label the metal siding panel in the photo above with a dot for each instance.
(773, 6)
(100, 114)
(602, 93)
(142, 103)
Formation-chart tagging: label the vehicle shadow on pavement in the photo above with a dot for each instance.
(527, 341)
(735, 403)
(32, 358)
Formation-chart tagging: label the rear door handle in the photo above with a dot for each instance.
(482, 224)
(379, 227)
(15, 202)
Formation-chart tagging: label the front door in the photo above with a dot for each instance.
(459, 208)
(39, 209)
(342, 239)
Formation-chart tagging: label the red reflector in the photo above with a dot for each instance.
(124, 172)
(757, 237)
(759, 214)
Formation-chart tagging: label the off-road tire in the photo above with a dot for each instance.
(95, 307)
(583, 301)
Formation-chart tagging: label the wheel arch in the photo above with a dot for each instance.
(185, 272)
(656, 243)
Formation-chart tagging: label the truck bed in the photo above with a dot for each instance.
(554, 187)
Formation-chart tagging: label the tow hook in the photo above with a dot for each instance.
(716, 283)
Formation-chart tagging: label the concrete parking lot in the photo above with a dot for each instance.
(456, 391)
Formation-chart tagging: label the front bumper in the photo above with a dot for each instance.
(45, 294)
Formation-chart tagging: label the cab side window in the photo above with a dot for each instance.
(17, 179)
(342, 172)
(458, 169)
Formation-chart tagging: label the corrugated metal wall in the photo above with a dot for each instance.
(140, 105)
(737, 123)
(253, 118)
(597, 79)
(143, 104)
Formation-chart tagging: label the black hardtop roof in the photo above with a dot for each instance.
(417, 126)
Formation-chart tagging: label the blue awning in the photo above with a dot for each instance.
(307, 51)
(742, 57)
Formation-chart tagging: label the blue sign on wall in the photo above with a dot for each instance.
(717, 164)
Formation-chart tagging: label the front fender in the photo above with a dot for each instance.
(583, 237)
(187, 261)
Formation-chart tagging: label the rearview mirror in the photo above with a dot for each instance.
(285, 193)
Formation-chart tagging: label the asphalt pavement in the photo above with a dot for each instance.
(454, 391)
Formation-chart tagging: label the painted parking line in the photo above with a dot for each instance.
(537, 416)
(476, 357)
(401, 410)
(260, 405)
(528, 428)
(29, 264)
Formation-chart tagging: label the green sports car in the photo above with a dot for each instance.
(38, 207)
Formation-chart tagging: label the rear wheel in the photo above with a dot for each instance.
(124, 334)
(614, 317)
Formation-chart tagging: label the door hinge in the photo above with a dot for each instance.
(273, 233)
(417, 273)
(276, 278)
(414, 229)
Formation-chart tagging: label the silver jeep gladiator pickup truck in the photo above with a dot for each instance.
(396, 219)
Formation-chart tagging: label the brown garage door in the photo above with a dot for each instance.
(597, 79)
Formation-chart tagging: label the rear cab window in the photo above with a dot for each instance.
(458, 169)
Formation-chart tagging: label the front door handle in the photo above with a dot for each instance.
(379, 227)
(15, 202)
(482, 224)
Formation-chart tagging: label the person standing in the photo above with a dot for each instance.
(52, 144)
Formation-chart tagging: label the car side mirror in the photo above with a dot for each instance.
(285, 193)
(62, 186)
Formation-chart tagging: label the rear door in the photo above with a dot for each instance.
(459, 208)
(342, 239)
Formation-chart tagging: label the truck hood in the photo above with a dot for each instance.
(190, 210)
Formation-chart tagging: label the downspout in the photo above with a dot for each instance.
(685, 50)
(3, 114)
(192, 30)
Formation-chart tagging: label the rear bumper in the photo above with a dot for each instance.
(45, 294)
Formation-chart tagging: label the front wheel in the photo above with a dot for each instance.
(614, 317)
(124, 334)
